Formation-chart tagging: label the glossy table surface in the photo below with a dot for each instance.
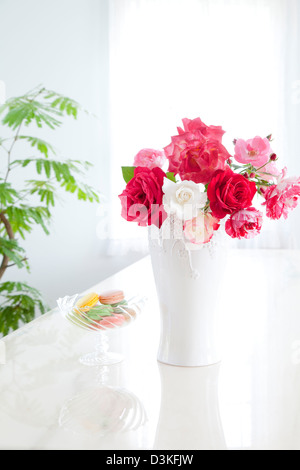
(251, 400)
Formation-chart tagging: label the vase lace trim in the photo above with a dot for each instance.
(172, 230)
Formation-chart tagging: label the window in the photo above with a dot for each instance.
(233, 63)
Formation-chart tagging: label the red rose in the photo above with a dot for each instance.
(229, 192)
(201, 160)
(142, 198)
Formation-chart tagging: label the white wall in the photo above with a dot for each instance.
(63, 44)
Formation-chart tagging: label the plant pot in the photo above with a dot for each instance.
(188, 281)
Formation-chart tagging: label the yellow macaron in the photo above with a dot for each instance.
(87, 302)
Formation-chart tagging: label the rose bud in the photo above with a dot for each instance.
(273, 157)
(262, 190)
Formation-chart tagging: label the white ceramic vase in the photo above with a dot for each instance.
(188, 282)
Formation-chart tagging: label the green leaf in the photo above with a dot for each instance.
(26, 111)
(84, 191)
(56, 169)
(39, 166)
(171, 176)
(13, 251)
(47, 168)
(64, 104)
(62, 170)
(45, 190)
(42, 146)
(10, 287)
(8, 195)
(78, 166)
(19, 304)
(128, 173)
(24, 217)
(41, 107)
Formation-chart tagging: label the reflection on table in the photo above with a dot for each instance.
(49, 400)
(189, 411)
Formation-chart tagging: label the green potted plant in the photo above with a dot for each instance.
(22, 208)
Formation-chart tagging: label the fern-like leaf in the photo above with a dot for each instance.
(41, 145)
(19, 304)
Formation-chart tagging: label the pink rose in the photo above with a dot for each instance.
(200, 230)
(256, 151)
(246, 223)
(142, 199)
(283, 197)
(196, 125)
(150, 158)
(269, 172)
(197, 152)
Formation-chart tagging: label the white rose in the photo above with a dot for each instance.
(183, 199)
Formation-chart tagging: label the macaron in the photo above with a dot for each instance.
(128, 313)
(131, 314)
(112, 297)
(100, 311)
(111, 322)
(87, 302)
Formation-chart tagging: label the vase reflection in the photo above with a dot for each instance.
(189, 414)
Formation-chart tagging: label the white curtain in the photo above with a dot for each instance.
(234, 63)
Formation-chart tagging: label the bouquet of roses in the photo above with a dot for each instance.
(203, 184)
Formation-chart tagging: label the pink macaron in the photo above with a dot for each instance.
(111, 297)
(111, 322)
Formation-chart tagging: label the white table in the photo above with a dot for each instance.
(48, 400)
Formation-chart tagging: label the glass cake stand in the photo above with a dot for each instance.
(99, 320)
